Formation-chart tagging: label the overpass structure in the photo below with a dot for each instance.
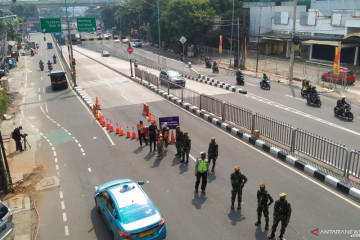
(59, 3)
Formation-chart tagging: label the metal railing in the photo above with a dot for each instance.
(191, 97)
(353, 168)
(238, 115)
(211, 104)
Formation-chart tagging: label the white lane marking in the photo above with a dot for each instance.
(39, 97)
(54, 153)
(109, 85)
(84, 154)
(50, 144)
(61, 195)
(57, 167)
(42, 109)
(64, 217)
(66, 231)
(96, 188)
(56, 160)
(53, 148)
(294, 98)
(82, 150)
(43, 88)
(289, 109)
(89, 169)
(46, 107)
(58, 125)
(62, 205)
(38, 89)
(125, 98)
(69, 133)
(291, 168)
(76, 140)
(79, 145)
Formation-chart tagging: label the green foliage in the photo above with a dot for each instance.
(25, 10)
(92, 11)
(4, 102)
(105, 12)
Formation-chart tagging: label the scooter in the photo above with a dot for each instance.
(208, 64)
(54, 60)
(42, 67)
(314, 99)
(345, 114)
(50, 67)
(240, 80)
(215, 69)
(265, 84)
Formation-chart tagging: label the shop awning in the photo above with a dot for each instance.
(328, 43)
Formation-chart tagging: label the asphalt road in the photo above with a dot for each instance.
(90, 156)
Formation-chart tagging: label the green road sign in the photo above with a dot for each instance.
(50, 25)
(86, 24)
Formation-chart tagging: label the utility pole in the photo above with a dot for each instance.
(158, 8)
(70, 42)
(238, 50)
(292, 53)
(232, 27)
(257, 54)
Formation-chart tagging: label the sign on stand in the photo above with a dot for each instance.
(50, 25)
(183, 41)
(130, 50)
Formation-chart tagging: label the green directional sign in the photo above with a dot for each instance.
(86, 24)
(50, 25)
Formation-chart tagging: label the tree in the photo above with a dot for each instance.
(107, 16)
(25, 10)
(92, 11)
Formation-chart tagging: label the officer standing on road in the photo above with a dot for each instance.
(16, 135)
(165, 133)
(201, 172)
(238, 181)
(186, 147)
(152, 135)
(263, 198)
(282, 212)
(160, 146)
(213, 152)
(141, 132)
(179, 137)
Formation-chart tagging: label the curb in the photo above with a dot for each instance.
(289, 159)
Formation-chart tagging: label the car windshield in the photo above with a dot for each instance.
(174, 74)
(137, 211)
(136, 40)
(3, 211)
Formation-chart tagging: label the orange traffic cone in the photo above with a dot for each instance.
(172, 137)
(99, 116)
(98, 106)
(107, 124)
(117, 131)
(133, 133)
(149, 116)
(111, 128)
(127, 132)
(155, 120)
(103, 122)
(121, 131)
(97, 100)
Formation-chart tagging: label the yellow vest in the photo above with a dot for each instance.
(202, 165)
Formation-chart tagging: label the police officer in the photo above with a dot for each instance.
(179, 136)
(16, 135)
(165, 133)
(141, 132)
(152, 135)
(186, 147)
(263, 198)
(282, 212)
(160, 146)
(201, 172)
(238, 181)
(213, 153)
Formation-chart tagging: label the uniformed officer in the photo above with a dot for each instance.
(213, 153)
(186, 147)
(160, 146)
(282, 212)
(179, 136)
(152, 135)
(264, 201)
(238, 181)
(201, 172)
(141, 132)
(165, 133)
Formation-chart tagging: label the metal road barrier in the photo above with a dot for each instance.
(211, 104)
(353, 168)
(273, 129)
(238, 115)
(191, 97)
(322, 149)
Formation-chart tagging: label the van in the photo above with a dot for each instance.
(58, 79)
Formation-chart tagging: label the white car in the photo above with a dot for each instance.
(125, 40)
(6, 221)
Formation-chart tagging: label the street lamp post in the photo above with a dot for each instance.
(70, 42)
(158, 16)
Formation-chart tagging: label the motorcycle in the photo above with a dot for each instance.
(32, 53)
(240, 80)
(345, 114)
(207, 64)
(54, 60)
(41, 67)
(265, 84)
(215, 69)
(50, 67)
(314, 99)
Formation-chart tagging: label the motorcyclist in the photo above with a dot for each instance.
(207, 62)
(49, 64)
(41, 63)
(32, 52)
(54, 58)
(239, 76)
(44, 38)
(313, 92)
(341, 104)
(264, 78)
(215, 66)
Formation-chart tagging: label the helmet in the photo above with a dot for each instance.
(262, 185)
(236, 169)
(213, 139)
(177, 127)
(202, 153)
(165, 124)
(20, 127)
(282, 195)
(141, 122)
(239, 70)
(185, 133)
(342, 97)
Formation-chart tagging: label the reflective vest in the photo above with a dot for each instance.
(202, 165)
(141, 128)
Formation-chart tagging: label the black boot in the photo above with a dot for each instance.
(232, 205)
(271, 236)
(281, 237)
(258, 222)
(267, 225)
(239, 205)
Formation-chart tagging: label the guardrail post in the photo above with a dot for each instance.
(200, 102)
(182, 94)
(253, 123)
(347, 163)
(292, 144)
(168, 87)
(223, 111)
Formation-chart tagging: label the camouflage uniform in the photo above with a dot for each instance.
(282, 212)
(165, 133)
(179, 136)
(263, 197)
(238, 181)
(213, 153)
(186, 146)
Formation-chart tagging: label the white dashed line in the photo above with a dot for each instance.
(61, 195)
(62, 205)
(56, 160)
(89, 169)
(82, 150)
(76, 140)
(84, 154)
(66, 231)
(79, 145)
(58, 125)
(54, 154)
(53, 148)
(64, 217)
(57, 167)
(39, 97)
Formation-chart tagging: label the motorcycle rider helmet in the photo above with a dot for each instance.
(342, 97)
(239, 70)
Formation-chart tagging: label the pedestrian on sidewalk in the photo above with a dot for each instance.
(264, 200)
(282, 212)
(16, 135)
(213, 152)
(186, 147)
(152, 135)
(141, 133)
(179, 136)
(238, 181)
(201, 172)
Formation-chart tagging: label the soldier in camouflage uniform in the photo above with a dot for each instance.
(282, 212)
(263, 198)
(238, 181)
(179, 136)
(186, 146)
(213, 152)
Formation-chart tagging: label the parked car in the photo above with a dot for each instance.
(125, 40)
(6, 221)
(128, 211)
(173, 77)
(132, 44)
(137, 43)
(105, 54)
(344, 74)
(58, 79)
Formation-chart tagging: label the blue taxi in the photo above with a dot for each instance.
(128, 211)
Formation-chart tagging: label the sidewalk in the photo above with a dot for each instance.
(22, 165)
